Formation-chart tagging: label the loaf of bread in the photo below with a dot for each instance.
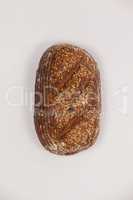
(67, 100)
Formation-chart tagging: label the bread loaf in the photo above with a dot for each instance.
(67, 99)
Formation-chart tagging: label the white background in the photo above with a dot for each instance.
(105, 29)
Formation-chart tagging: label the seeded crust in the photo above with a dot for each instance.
(67, 100)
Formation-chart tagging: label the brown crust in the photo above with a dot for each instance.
(67, 100)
